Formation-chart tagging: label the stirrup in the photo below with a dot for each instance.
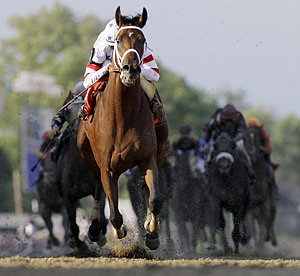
(82, 114)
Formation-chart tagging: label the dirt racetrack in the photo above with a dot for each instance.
(282, 260)
(114, 266)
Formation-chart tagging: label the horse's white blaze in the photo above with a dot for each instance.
(225, 155)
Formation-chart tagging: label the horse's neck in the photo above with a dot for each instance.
(126, 100)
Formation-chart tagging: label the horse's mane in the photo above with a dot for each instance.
(68, 98)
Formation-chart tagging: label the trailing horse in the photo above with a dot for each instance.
(121, 132)
(263, 205)
(75, 180)
(136, 186)
(228, 186)
(190, 203)
(50, 200)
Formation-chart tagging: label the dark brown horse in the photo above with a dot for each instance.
(50, 200)
(121, 133)
(229, 188)
(190, 203)
(136, 186)
(75, 180)
(264, 207)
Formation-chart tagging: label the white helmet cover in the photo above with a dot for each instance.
(111, 30)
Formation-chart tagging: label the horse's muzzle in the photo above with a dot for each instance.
(130, 73)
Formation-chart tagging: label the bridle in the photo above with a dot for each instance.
(118, 59)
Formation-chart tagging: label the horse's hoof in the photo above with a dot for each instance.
(274, 242)
(72, 242)
(102, 240)
(211, 247)
(94, 232)
(244, 240)
(82, 245)
(152, 241)
(55, 241)
(121, 232)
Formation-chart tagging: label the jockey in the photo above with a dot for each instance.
(231, 121)
(47, 138)
(98, 67)
(58, 121)
(266, 140)
(266, 147)
(186, 141)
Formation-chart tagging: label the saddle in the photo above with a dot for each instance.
(100, 86)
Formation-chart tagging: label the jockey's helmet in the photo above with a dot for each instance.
(111, 30)
(185, 129)
(78, 88)
(252, 121)
(48, 134)
(229, 112)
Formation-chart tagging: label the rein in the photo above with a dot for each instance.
(120, 58)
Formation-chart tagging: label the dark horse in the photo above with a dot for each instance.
(229, 187)
(121, 133)
(189, 203)
(50, 200)
(75, 180)
(263, 204)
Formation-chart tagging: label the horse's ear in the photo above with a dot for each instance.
(119, 17)
(143, 18)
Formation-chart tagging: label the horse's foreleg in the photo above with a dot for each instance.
(154, 198)
(237, 219)
(97, 229)
(71, 211)
(46, 215)
(110, 186)
(154, 205)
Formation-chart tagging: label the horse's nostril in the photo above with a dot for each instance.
(125, 67)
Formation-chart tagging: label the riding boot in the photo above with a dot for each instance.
(156, 106)
(152, 94)
(249, 167)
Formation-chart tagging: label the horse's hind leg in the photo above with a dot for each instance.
(135, 186)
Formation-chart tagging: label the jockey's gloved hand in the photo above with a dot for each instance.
(240, 143)
(206, 148)
(94, 77)
(55, 129)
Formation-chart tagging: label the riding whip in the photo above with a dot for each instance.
(74, 99)
(42, 155)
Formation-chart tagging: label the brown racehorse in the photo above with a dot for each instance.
(121, 132)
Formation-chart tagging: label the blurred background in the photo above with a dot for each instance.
(208, 54)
